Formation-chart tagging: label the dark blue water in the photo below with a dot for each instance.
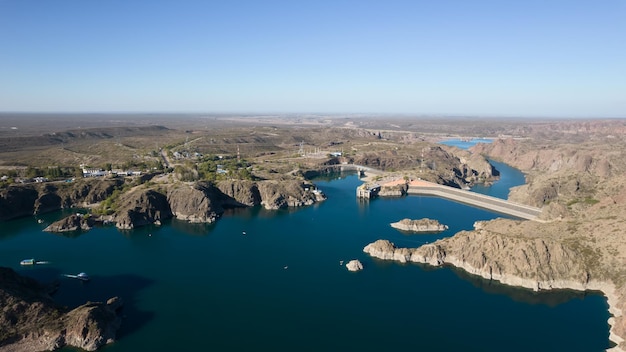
(509, 177)
(281, 286)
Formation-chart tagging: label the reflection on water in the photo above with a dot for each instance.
(551, 298)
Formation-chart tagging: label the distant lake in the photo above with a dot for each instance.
(281, 287)
(509, 176)
(465, 144)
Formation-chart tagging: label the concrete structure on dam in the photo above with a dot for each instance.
(420, 187)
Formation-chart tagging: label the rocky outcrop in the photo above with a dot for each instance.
(199, 202)
(288, 193)
(24, 200)
(354, 265)
(421, 225)
(31, 321)
(86, 192)
(393, 191)
(101, 319)
(241, 193)
(141, 207)
(17, 201)
(472, 167)
(47, 201)
(74, 222)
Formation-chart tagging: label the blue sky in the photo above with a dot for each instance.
(495, 58)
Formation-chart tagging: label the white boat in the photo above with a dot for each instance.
(80, 276)
(28, 262)
(32, 261)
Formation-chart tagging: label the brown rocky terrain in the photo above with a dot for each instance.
(31, 321)
(74, 222)
(37, 198)
(151, 204)
(141, 207)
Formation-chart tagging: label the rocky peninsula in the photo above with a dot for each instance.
(424, 225)
(31, 321)
(526, 261)
(74, 222)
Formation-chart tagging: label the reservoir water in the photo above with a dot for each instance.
(280, 287)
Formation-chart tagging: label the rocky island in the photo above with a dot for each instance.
(354, 265)
(31, 321)
(419, 226)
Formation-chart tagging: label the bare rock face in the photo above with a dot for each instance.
(393, 191)
(240, 192)
(141, 207)
(87, 191)
(534, 263)
(31, 321)
(200, 202)
(47, 201)
(24, 200)
(472, 167)
(288, 193)
(354, 265)
(74, 222)
(101, 320)
(421, 225)
(16, 201)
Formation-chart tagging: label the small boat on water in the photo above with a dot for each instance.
(80, 276)
(32, 261)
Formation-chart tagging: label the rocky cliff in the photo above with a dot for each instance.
(560, 171)
(291, 193)
(31, 321)
(23, 200)
(240, 193)
(17, 201)
(141, 207)
(421, 225)
(198, 202)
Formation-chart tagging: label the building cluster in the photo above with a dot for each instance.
(117, 172)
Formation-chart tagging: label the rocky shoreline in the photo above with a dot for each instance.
(151, 204)
(555, 275)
